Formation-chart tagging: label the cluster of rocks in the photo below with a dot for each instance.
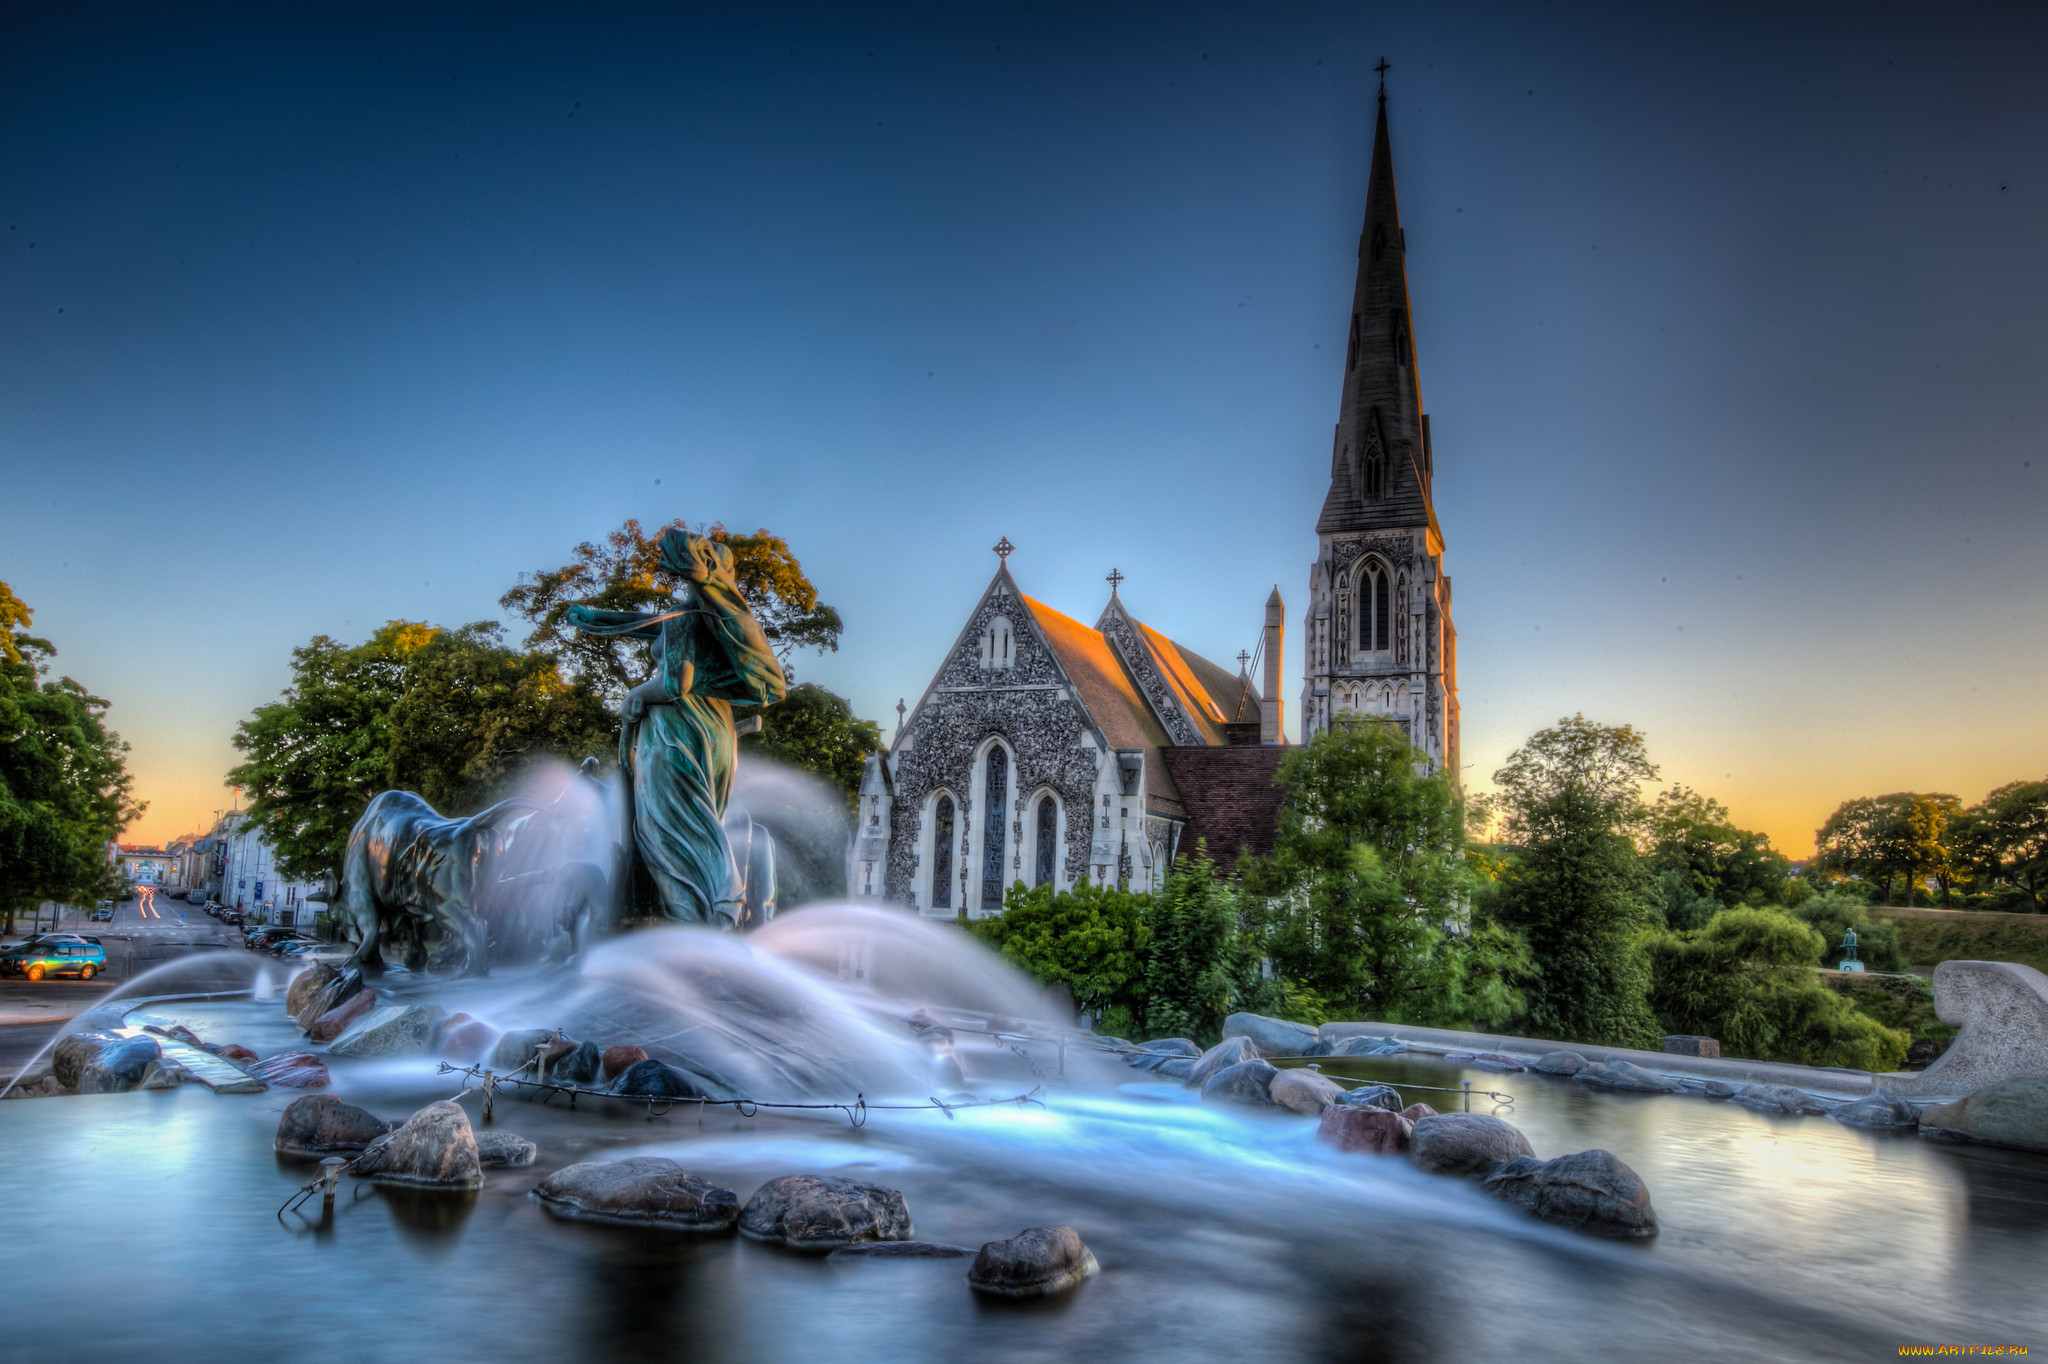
(435, 1148)
(815, 1214)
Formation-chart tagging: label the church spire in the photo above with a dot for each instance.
(1380, 463)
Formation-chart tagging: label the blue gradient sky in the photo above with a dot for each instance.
(1730, 325)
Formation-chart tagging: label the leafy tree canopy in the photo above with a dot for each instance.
(816, 731)
(65, 792)
(2004, 838)
(1704, 863)
(1092, 937)
(1885, 838)
(624, 573)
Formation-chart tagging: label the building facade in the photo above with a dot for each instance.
(1040, 753)
(1378, 639)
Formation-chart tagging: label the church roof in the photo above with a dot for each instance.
(1381, 409)
(1232, 799)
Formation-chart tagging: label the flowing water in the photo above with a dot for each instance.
(143, 1224)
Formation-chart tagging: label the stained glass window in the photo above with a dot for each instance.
(942, 853)
(1048, 838)
(1379, 610)
(992, 824)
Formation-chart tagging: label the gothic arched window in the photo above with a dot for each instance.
(993, 823)
(1048, 838)
(1375, 473)
(1375, 617)
(942, 853)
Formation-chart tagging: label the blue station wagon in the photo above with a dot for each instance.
(54, 954)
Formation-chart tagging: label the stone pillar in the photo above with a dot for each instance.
(1271, 728)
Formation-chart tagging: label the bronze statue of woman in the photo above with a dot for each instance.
(676, 739)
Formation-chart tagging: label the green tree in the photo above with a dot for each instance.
(1702, 862)
(1091, 937)
(1574, 884)
(1368, 883)
(1884, 838)
(1748, 980)
(1833, 913)
(65, 792)
(815, 731)
(1195, 957)
(624, 573)
(451, 714)
(2004, 837)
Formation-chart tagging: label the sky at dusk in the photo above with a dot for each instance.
(1729, 323)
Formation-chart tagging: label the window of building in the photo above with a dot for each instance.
(1375, 473)
(942, 853)
(993, 791)
(1375, 614)
(1048, 839)
(998, 649)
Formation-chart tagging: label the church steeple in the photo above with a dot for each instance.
(1380, 462)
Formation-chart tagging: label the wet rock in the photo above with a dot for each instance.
(1171, 1046)
(49, 1087)
(652, 1079)
(305, 985)
(580, 1065)
(1372, 1096)
(335, 1021)
(235, 1052)
(1500, 1061)
(1180, 1068)
(433, 1149)
(1587, 1191)
(1363, 1045)
(468, 1043)
(812, 1212)
(1718, 1089)
(1247, 1082)
(1465, 1143)
(1350, 1128)
(292, 1070)
(1303, 1091)
(551, 1053)
(1877, 1111)
(2010, 1113)
(1272, 1036)
(69, 1057)
(1229, 1052)
(1559, 1063)
(389, 1030)
(1784, 1100)
(329, 997)
(639, 1191)
(1417, 1112)
(516, 1048)
(1153, 1055)
(1624, 1076)
(118, 1066)
(1036, 1261)
(321, 1125)
(162, 1074)
(504, 1150)
(901, 1250)
(1691, 1046)
(616, 1061)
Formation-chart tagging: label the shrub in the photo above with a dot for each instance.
(1833, 914)
(1091, 937)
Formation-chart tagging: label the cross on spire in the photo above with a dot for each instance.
(1004, 549)
(1383, 68)
(1244, 659)
(1113, 579)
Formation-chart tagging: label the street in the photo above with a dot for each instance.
(145, 933)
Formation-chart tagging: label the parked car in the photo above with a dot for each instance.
(296, 947)
(262, 936)
(101, 916)
(54, 954)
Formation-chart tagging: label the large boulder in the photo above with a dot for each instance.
(1247, 1082)
(504, 1150)
(390, 1030)
(1877, 1111)
(1229, 1052)
(332, 1024)
(1465, 1143)
(321, 1125)
(639, 1191)
(1036, 1261)
(1372, 1096)
(517, 1047)
(466, 1044)
(1363, 1045)
(164, 1074)
(292, 1070)
(304, 985)
(1625, 1076)
(340, 990)
(1181, 1068)
(1171, 1046)
(656, 1080)
(1272, 1036)
(1303, 1091)
(812, 1212)
(1588, 1191)
(118, 1066)
(433, 1149)
(1350, 1128)
(69, 1057)
(580, 1065)
(1559, 1063)
(1784, 1100)
(1417, 1112)
(2009, 1113)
